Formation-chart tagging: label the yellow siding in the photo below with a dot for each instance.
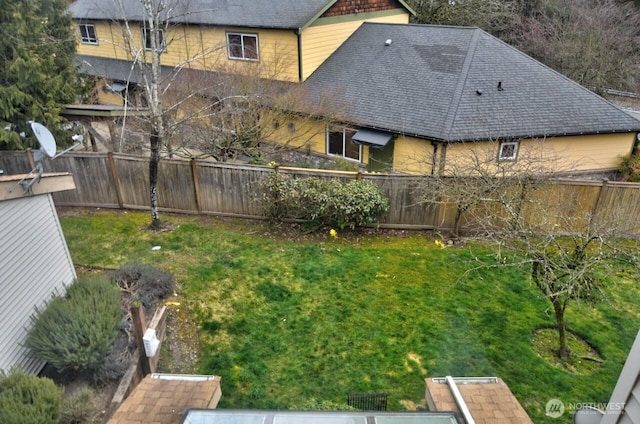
(106, 97)
(412, 155)
(201, 48)
(560, 154)
(319, 42)
(310, 135)
(592, 152)
(105, 47)
(299, 133)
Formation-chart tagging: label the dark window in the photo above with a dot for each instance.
(508, 150)
(88, 34)
(242, 46)
(146, 36)
(339, 143)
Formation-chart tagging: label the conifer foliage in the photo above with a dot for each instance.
(37, 76)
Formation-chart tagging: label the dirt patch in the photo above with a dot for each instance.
(584, 358)
(180, 349)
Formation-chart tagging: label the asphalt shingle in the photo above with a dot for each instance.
(283, 14)
(457, 84)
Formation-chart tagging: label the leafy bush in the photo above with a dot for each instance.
(77, 408)
(144, 284)
(76, 331)
(630, 168)
(27, 399)
(321, 202)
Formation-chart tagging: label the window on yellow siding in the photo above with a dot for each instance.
(339, 143)
(146, 37)
(508, 151)
(88, 34)
(242, 46)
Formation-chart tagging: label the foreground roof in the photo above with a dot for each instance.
(284, 14)
(457, 84)
(221, 416)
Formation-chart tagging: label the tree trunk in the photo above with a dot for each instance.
(154, 160)
(563, 350)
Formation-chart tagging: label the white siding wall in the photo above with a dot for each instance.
(34, 264)
(624, 405)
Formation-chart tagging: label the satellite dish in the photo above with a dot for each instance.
(45, 138)
(47, 149)
(587, 415)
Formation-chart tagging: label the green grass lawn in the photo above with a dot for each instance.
(287, 318)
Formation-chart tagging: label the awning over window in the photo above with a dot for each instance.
(373, 138)
(116, 87)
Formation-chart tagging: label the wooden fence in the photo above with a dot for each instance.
(108, 180)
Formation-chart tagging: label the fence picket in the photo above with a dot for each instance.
(193, 186)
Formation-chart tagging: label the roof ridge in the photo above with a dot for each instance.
(462, 80)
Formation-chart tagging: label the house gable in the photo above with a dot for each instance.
(352, 7)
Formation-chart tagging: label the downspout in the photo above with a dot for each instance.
(443, 159)
(298, 33)
(434, 155)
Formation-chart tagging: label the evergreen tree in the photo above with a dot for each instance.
(37, 76)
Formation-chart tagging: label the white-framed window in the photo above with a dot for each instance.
(88, 34)
(508, 151)
(242, 46)
(146, 38)
(340, 143)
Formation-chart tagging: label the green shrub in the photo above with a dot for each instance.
(27, 399)
(328, 202)
(144, 283)
(630, 168)
(77, 408)
(76, 331)
(113, 367)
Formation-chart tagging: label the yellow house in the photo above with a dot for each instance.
(413, 98)
(442, 100)
(285, 39)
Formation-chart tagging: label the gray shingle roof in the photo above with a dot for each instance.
(284, 14)
(442, 83)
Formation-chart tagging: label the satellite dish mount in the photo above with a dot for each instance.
(47, 149)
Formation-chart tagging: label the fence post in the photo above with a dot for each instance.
(139, 327)
(114, 178)
(596, 205)
(196, 184)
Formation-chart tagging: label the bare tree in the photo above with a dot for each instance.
(475, 178)
(241, 115)
(569, 248)
(146, 55)
(223, 111)
(593, 42)
(494, 16)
